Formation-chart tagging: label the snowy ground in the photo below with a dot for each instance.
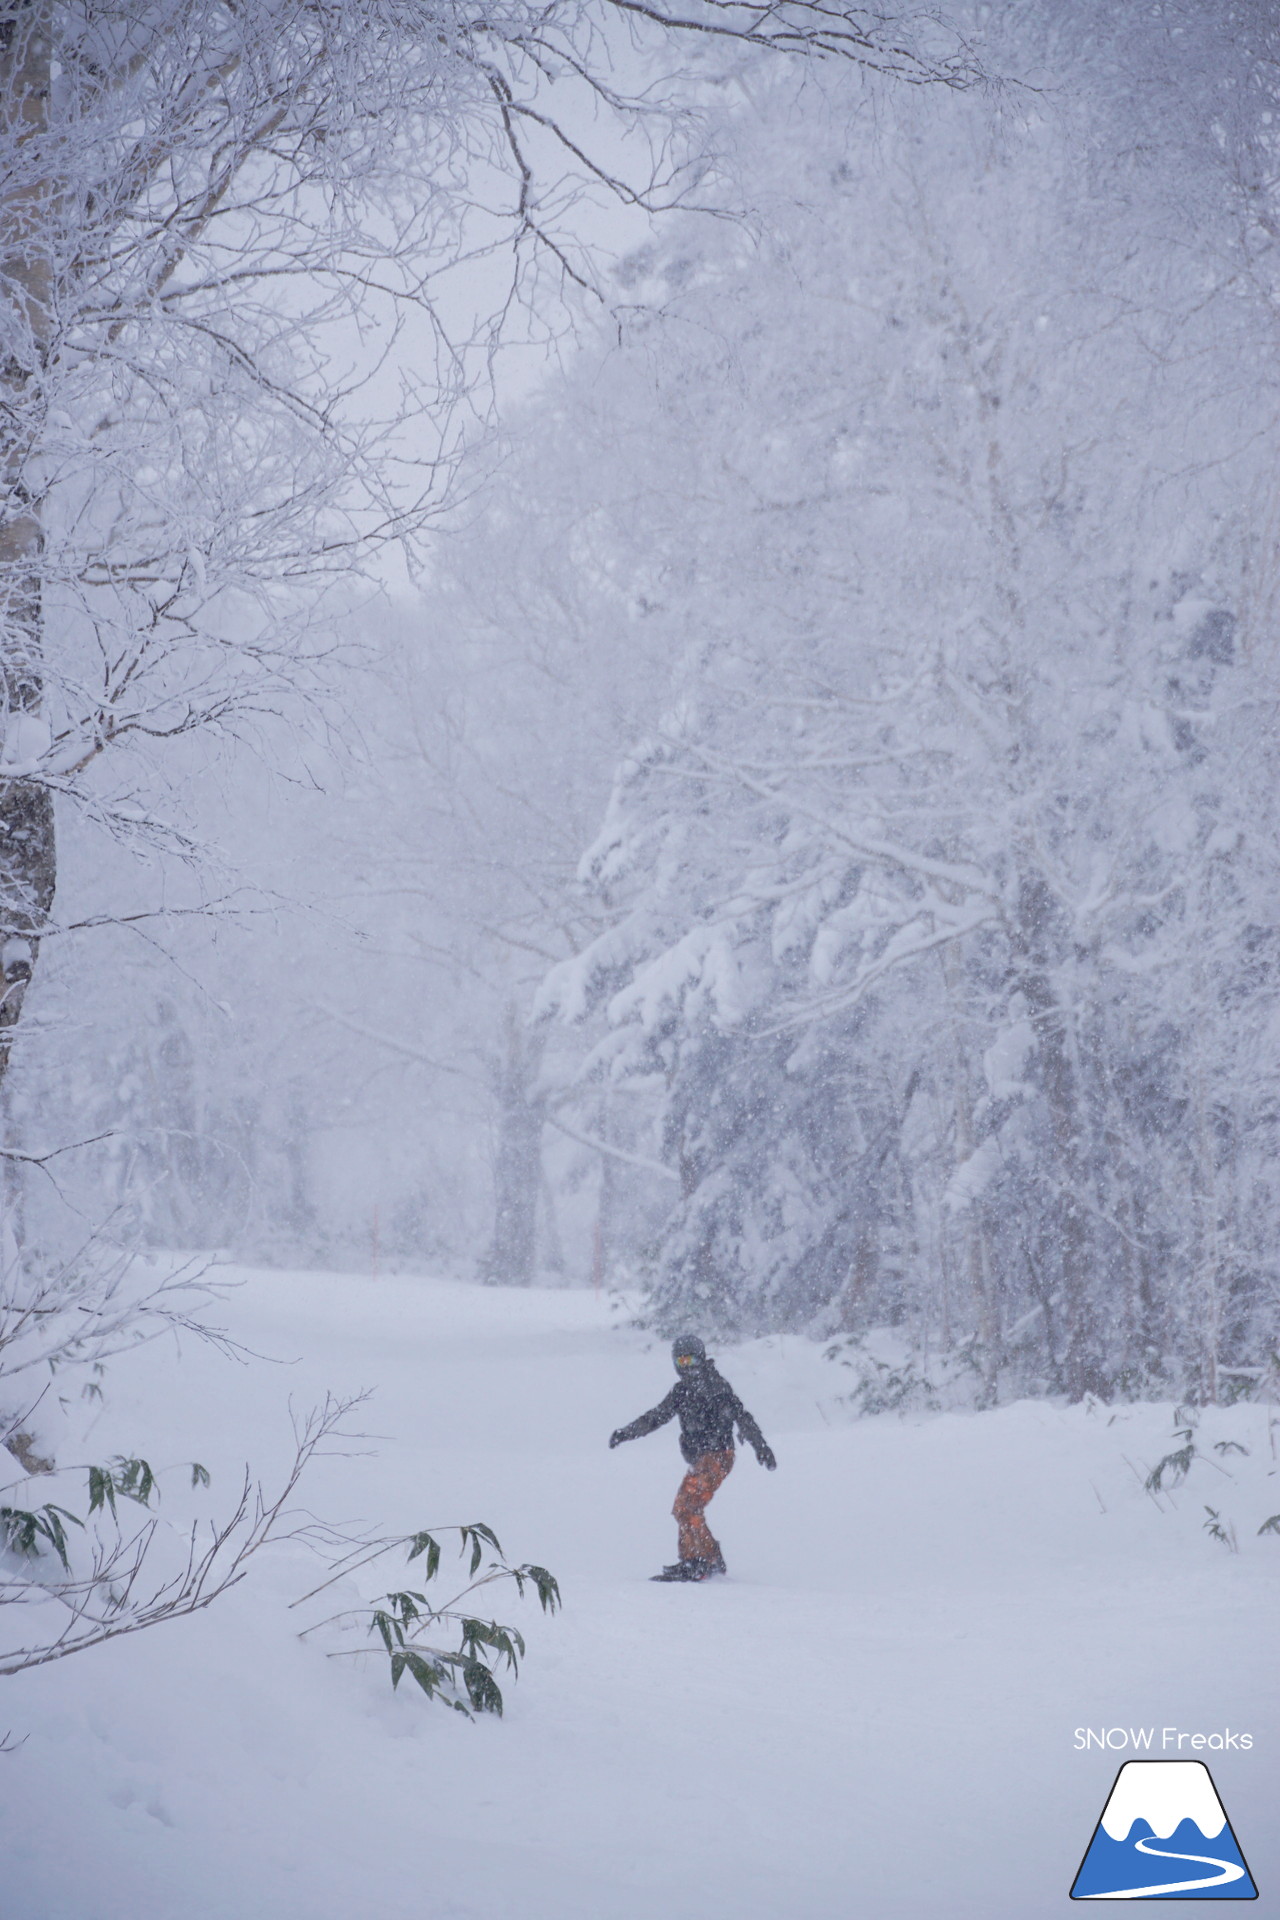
(876, 1714)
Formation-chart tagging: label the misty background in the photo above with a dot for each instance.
(797, 834)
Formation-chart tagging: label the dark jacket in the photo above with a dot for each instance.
(708, 1409)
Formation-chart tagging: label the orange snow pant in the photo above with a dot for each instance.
(708, 1472)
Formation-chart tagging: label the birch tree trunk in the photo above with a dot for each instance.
(511, 1259)
(1207, 1295)
(27, 850)
(977, 1263)
(1037, 912)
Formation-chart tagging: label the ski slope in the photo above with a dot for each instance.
(874, 1714)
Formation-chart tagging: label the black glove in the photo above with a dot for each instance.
(615, 1439)
(764, 1454)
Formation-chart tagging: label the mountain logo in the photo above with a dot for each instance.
(1164, 1835)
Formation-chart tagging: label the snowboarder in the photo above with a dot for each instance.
(709, 1409)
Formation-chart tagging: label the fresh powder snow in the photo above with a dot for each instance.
(876, 1712)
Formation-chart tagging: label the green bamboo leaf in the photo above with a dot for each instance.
(389, 1629)
(483, 1633)
(548, 1588)
(133, 1478)
(428, 1676)
(505, 1642)
(405, 1606)
(1178, 1462)
(102, 1490)
(428, 1544)
(20, 1530)
(199, 1474)
(56, 1534)
(468, 1670)
(482, 1689)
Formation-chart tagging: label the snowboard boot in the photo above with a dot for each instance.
(691, 1570)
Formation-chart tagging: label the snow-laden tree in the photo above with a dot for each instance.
(254, 263)
(338, 1068)
(221, 226)
(939, 894)
(206, 210)
(488, 752)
